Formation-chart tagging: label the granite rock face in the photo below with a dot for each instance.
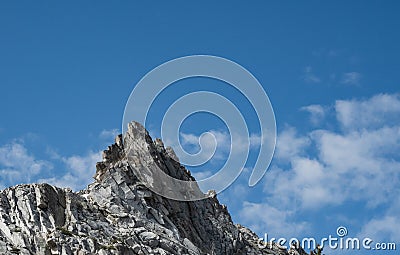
(118, 214)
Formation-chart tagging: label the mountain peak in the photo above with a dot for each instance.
(119, 214)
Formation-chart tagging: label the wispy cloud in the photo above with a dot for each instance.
(309, 76)
(326, 52)
(80, 170)
(317, 113)
(381, 109)
(222, 141)
(17, 165)
(383, 228)
(290, 144)
(264, 218)
(358, 163)
(109, 134)
(202, 175)
(351, 78)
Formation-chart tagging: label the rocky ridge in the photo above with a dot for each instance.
(118, 214)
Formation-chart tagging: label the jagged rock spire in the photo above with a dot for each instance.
(118, 214)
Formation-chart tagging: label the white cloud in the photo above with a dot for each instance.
(351, 78)
(381, 109)
(264, 218)
(306, 182)
(201, 175)
(208, 141)
(384, 227)
(109, 134)
(358, 164)
(222, 141)
(380, 229)
(190, 139)
(17, 165)
(309, 76)
(289, 144)
(362, 163)
(214, 145)
(317, 113)
(80, 170)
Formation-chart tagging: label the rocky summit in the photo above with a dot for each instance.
(118, 214)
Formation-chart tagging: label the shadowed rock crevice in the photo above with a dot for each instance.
(118, 214)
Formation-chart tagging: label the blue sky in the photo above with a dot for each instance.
(330, 70)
